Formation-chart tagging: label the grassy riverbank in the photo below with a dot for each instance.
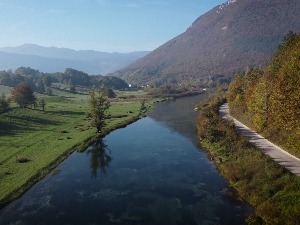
(273, 191)
(33, 142)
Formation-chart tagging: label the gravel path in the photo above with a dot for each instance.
(278, 154)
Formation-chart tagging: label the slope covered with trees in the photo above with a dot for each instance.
(229, 39)
(269, 100)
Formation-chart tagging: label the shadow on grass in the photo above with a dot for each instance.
(35, 120)
(8, 129)
(70, 113)
(15, 125)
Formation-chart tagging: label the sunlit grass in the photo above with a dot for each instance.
(45, 138)
(5, 90)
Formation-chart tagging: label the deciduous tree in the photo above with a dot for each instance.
(99, 105)
(23, 95)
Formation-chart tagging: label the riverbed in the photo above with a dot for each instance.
(151, 172)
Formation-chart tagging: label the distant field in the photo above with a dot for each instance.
(5, 90)
(45, 138)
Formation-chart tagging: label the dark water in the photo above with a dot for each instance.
(151, 172)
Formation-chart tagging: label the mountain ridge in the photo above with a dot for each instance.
(54, 59)
(228, 39)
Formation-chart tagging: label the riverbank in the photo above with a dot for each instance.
(33, 142)
(279, 155)
(272, 190)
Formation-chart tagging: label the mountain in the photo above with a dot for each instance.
(53, 59)
(230, 38)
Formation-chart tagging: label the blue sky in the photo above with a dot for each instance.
(103, 25)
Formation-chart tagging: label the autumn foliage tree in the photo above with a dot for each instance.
(285, 91)
(269, 100)
(23, 95)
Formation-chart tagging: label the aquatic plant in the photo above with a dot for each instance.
(166, 211)
(107, 194)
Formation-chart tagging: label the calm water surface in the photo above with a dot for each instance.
(151, 172)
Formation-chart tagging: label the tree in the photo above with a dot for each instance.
(99, 106)
(143, 105)
(47, 81)
(23, 95)
(236, 95)
(4, 104)
(49, 91)
(27, 71)
(284, 96)
(259, 105)
(108, 92)
(42, 103)
(73, 89)
(40, 87)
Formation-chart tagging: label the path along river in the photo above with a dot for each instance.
(151, 172)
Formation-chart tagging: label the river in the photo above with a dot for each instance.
(151, 172)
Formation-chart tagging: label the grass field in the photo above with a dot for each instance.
(5, 90)
(45, 138)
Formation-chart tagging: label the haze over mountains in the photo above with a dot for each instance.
(52, 59)
(230, 38)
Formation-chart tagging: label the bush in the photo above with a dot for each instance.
(22, 160)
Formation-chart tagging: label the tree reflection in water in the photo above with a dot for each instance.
(100, 157)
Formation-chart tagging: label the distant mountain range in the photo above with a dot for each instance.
(230, 38)
(53, 59)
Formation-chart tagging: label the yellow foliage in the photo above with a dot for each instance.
(272, 97)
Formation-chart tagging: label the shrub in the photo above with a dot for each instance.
(22, 160)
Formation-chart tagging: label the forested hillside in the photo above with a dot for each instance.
(269, 100)
(228, 39)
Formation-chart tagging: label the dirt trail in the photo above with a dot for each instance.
(282, 157)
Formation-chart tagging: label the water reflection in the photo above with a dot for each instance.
(179, 115)
(100, 157)
(157, 176)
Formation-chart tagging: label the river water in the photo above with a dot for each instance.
(151, 172)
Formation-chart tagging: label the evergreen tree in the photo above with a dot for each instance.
(4, 104)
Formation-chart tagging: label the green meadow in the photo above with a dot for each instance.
(33, 142)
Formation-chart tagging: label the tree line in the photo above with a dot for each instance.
(269, 99)
(40, 82)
